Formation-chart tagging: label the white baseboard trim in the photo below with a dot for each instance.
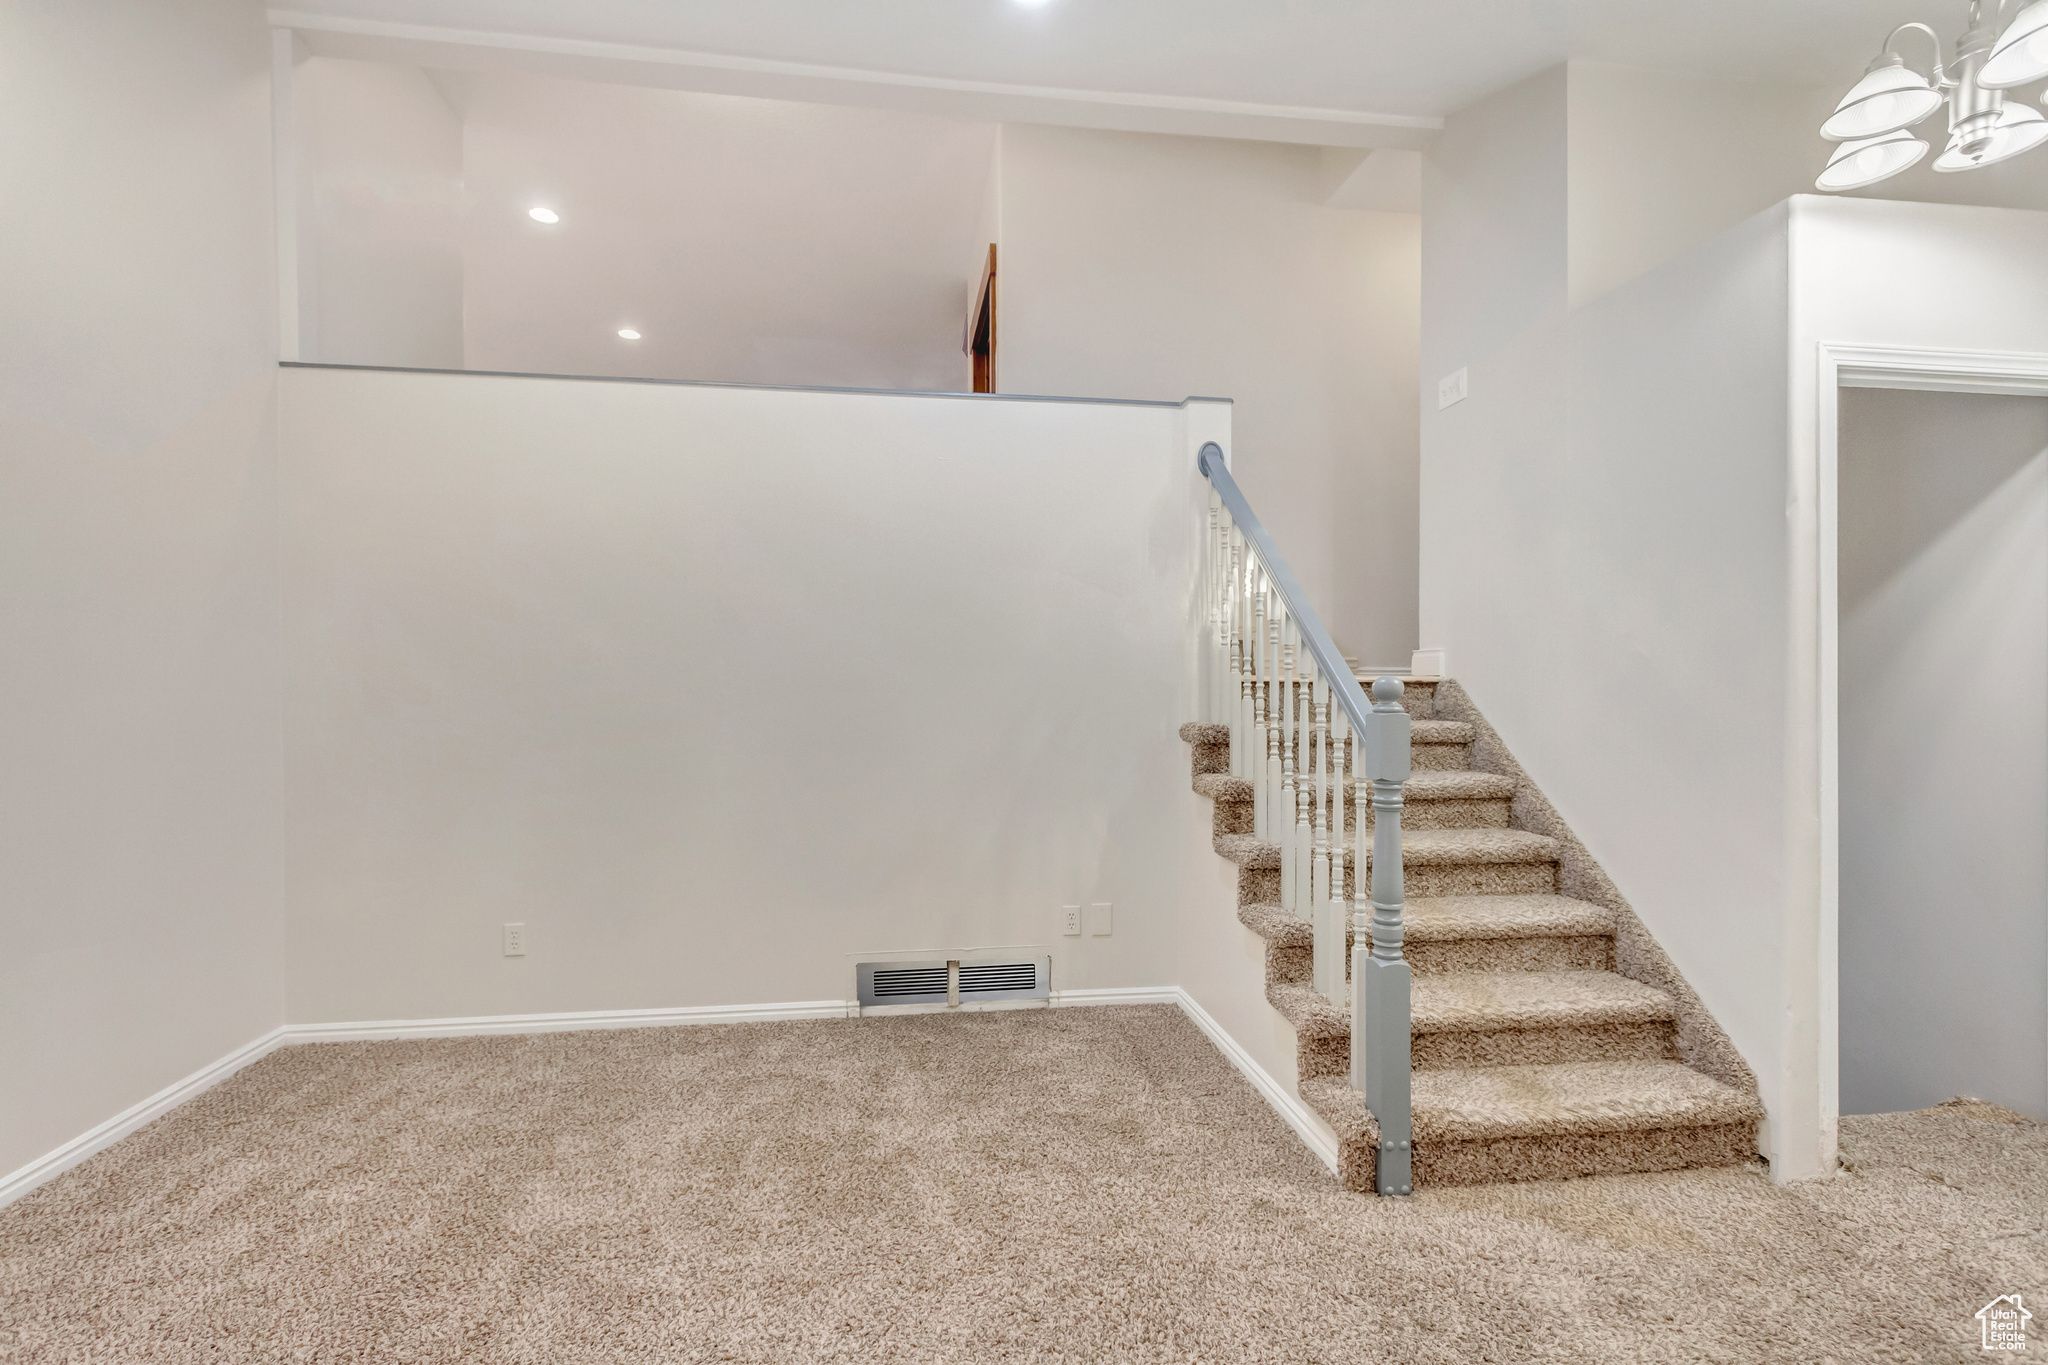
(53, 1164)
(488, 1024)
(90, 1143)
(1303, 1120)
(1120, 995)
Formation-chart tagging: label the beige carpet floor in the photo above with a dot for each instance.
(1078, 1185)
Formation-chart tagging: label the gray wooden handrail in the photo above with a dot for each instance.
(1379, 976)
(1329, 659)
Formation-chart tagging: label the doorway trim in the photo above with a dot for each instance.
(1846, 366)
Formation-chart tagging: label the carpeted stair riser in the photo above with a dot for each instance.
(1579, 954)
(1293, 960)
(1543, 1046)
(1557, 1158)
(1323, 1036)
(1261, 885)
(1436, 758)
(1258, 880)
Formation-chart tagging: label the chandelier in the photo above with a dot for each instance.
(1874, 122)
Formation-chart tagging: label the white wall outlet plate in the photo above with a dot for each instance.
(1450, 389)
(515, 940)
(1100, 921)
(1070, 920)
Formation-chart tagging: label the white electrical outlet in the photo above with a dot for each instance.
(1099, 920)
(1070, 924)
(515, 940)
(1450, 389)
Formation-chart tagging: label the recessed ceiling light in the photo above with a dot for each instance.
(1031, 4)
(544, 215)
(629, 334)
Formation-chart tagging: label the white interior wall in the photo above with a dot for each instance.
(1662, 161)
(382, 214)
(140, 873)
(720, 690)
(1493, 303)
(1944, 749)
(1589, 548)
(1156, 267)
(1649, 630)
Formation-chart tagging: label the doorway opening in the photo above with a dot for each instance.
(981, 328)
(1942, 601)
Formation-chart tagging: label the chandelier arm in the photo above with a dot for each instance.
(1940, 77)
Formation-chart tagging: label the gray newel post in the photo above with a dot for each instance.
(1379, 1020)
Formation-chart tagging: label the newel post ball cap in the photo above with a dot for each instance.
(1890, 96)
(1386, 691)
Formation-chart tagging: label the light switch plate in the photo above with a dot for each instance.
(1100, 920)
(1451, 389)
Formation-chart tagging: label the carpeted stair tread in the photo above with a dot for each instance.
(1419, 848)
(1280, 928)
(1223, 787)
(1571, 1098)
(1456, 784)
(1310, 1014)
(1247, 851)
(1422, 732)
(1475, 1001)
(1443, 919)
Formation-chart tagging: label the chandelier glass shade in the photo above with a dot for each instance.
(1889, 96)
(2021, 53)
(1865, 162)
(1873, 121)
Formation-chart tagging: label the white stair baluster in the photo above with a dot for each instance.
(1290, 773)
(1274, 698)
(1205, 684)
(1319, 814)
(1332, 914)
(1240, 720)
(1304, 850)
(1260, 672)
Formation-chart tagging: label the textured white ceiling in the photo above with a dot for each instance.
(1417, 57)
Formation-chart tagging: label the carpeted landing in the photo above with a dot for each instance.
(1075, 1185)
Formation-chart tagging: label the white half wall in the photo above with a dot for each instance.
(1156, 267)
(1944, 742)
(140, 765)
(720, 690)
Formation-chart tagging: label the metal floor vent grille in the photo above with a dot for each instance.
(962, 980)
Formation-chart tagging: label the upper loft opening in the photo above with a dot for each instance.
(503, 221)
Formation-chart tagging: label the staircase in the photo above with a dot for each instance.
(1551, 1036)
